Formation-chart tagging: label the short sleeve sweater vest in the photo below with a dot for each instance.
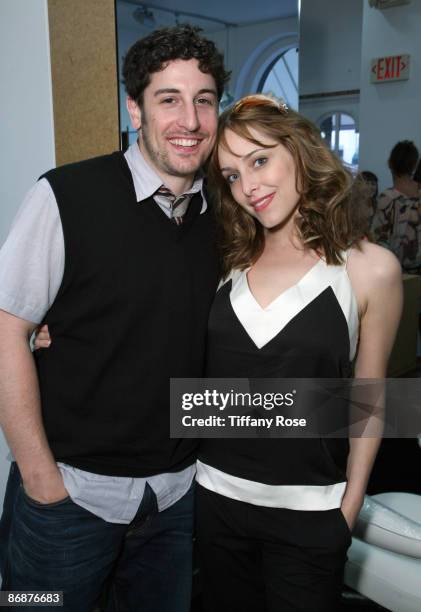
(309, 331)
(131, 312)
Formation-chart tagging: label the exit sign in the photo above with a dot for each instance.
(392, 68)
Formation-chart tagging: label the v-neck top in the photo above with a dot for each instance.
(309, 331)
(263, 324)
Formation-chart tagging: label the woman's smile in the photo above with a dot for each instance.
(262, 203)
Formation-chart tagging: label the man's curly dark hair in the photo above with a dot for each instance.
(152, 54)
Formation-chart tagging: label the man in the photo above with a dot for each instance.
(116, 254)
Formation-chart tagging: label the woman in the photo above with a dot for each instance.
(274, 516)
(301, 297)
(397, 221)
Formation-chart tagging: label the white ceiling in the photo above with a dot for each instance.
(239, 12)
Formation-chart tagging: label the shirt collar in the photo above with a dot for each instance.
(146, 181)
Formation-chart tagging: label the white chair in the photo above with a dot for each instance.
(384, 560)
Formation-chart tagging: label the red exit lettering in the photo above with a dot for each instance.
(388, 68)
(398, 65)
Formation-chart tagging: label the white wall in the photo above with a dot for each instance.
(389, 112)
(330, 45)
(26, 111)
(330, 55)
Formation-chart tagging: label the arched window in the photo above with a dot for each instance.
(265, 54)
(281, 78)
(340, 132)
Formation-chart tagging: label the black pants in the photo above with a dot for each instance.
(256, 559)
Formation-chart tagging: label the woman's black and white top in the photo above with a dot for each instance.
(309, 331)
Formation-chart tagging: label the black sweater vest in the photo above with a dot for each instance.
(131, 312)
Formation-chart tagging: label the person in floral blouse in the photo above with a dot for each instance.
(397, 221)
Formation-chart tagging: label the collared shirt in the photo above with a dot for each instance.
(147, 182)
(31, 270)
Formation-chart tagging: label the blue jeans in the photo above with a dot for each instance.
(142, 567)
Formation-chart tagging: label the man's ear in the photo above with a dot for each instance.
(134, 112)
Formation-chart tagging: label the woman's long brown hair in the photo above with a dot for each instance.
(324, 222)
